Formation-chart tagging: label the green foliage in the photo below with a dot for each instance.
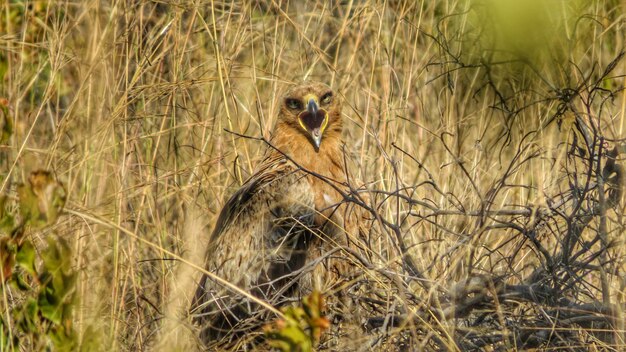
(45, 281)
(6, 122)
(41, 200)
(4, 67)
(516, 40)
(31, 22)
(302, 327)
(7, 257)
(25, 257)
(7, 222)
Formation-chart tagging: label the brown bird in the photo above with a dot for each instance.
(268, 230)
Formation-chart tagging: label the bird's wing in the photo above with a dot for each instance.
(272, 173)
(260, 236)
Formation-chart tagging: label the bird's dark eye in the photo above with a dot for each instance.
(327, 98)
(293, 104)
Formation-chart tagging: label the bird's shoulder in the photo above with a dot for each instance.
(275, 179)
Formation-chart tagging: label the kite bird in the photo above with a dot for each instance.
(272, 226)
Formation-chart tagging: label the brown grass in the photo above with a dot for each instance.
(465, 113)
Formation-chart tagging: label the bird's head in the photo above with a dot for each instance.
(313, 109)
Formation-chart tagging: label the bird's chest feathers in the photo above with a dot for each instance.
(323, 163)
(325, 172)
(325, 196)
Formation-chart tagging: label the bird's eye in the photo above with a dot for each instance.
(293, 104)
(327, 98)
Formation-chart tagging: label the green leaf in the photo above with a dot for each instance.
(25, 257)
(297, 337)
(29, 207)
(52, 260)
(57, 279)
(7, 221)
(301, 327)
(28, 318)
(49, 307)
(62, 340)
(41, 200)
(6, 122)
(7, 257)
(4, 67)
(20, 283)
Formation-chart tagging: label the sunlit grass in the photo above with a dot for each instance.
(130, 103)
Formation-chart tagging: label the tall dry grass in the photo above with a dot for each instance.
(461, 117)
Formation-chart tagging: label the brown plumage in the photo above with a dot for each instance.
(280, 218)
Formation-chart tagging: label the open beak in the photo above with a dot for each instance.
(312, 107)
(314, 121)
(316, 133)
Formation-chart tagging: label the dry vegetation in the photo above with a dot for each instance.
(489, 134)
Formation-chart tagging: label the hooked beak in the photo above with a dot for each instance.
(312, 107)
(316, 134)
(314, 121)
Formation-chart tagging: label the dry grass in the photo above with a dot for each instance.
(475, 124)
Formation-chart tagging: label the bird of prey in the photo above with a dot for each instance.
(265, 232)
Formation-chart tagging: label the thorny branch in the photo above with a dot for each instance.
(560, 294)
